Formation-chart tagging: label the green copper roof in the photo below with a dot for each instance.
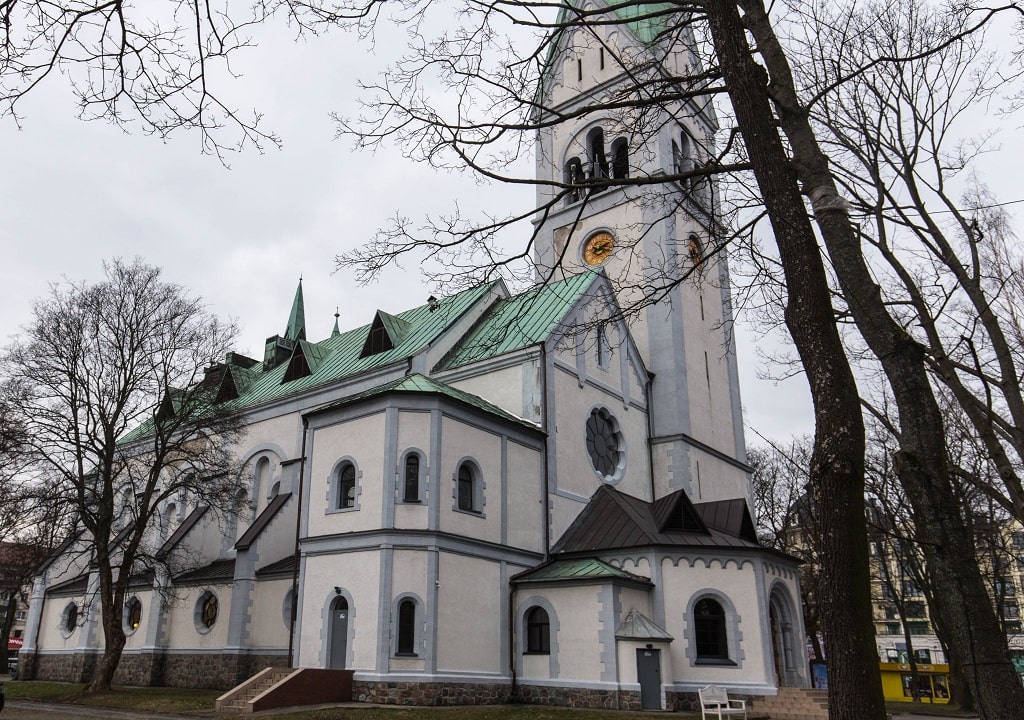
(296, 329)
(421, 384)
(648, 21)
(584, 570)
(338, 356)
(520, 321)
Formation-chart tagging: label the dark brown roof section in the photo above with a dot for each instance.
(279, 568)
(74, 586)
(186, 526)
(729, 516)
(613, 520)
(261, 521)
(217, 571)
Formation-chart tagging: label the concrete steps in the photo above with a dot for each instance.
(793, 704)
(273, 688)
(238, 699)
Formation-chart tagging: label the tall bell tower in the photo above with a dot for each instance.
(608, 198)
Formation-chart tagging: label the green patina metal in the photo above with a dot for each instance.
(521, 321)
(296, 329)
(421, 384)
(582, 569)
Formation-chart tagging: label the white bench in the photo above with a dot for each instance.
(715, 702)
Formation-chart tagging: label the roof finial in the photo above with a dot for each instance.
(296, 329)
(336, 331)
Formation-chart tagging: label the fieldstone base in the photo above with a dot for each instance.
(411, 693)
(579, 697)
(216, 672)
(69, 667)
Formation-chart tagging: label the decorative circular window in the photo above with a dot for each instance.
(605, 444)
(206, 611)
(69, 620)
(132, 615)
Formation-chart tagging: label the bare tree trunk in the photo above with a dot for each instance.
(837, 465)
(921, 463)
(114, 640)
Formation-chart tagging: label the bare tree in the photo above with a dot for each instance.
(118, 418)
(786, 521)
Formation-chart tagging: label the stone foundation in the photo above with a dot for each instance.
(70, 667)
(413, 693)
(579, 697)
(216, 672)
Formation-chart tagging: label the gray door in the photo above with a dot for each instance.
(339, 634)
(648, 672)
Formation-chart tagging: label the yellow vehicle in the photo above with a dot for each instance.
(932, 682)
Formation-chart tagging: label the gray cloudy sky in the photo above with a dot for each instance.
(73, 193)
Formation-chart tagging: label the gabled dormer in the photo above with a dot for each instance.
(386, 331)
(676, 512)
(305, 360)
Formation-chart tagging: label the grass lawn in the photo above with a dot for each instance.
(178, 700)
(170, 700)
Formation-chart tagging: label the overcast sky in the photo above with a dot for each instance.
(74, 193)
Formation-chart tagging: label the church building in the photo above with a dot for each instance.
(538, 496)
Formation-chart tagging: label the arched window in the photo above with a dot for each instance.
(406, 644)
(709, 631)
(538, 631)
(466, 490)
(620, 159)
(598, 158)
(411, 486)
(347, 486)
(573, 176)
(261, 475)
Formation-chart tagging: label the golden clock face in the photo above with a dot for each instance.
(696, 252)
(598, 247)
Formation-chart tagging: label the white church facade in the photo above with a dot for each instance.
(491, 496)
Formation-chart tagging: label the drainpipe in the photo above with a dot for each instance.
(295, 570)
(545, 424)
(512, 641)
(650, 432)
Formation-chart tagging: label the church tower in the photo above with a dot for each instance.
(654, 240)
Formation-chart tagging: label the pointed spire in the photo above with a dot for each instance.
(297, 319)
(336, 332)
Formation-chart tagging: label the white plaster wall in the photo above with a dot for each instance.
(469, 619)
(50, 636)
(358, 573)
(525, 498)
(503, 387)
(579, 626)
(460, 440)
(277, 541)
(362, 440)
(181, 627)
(575, 471)
(137, 639)
(634, 599)
(739, 583)
(267, 625)
(413, 432)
